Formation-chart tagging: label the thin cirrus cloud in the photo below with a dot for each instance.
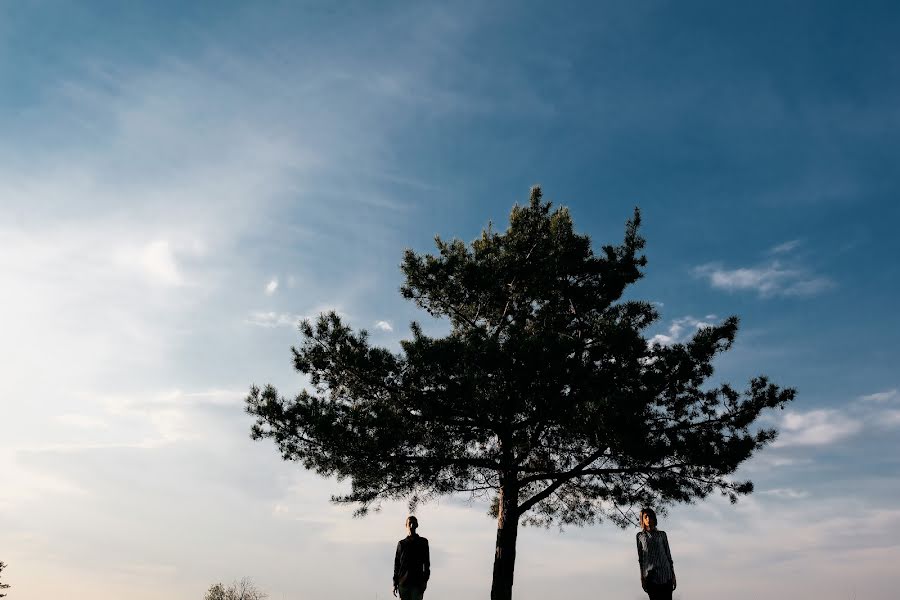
(785, 247)
(885, 396)
(767, 280)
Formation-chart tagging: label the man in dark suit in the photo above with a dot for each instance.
(412, 563)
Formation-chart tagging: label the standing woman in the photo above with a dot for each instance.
(655, 559)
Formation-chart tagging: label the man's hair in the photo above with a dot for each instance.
(412, 522)
(651, 514)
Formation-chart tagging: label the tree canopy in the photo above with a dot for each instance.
(545, 394)
(244, 589)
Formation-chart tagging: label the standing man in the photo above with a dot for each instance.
(412, 563)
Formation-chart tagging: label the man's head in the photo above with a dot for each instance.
(412, 524)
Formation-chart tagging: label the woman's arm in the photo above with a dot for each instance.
(640, 552)
(668, 552)
(669, 556)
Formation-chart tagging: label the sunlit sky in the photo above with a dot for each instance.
(180, 183)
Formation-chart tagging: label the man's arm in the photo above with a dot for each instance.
(397, 564)
(427, 562)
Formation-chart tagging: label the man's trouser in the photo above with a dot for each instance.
(410, 592)
(659, 591)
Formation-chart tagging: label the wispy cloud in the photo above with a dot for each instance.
(816, 428)
(785, 247)
(768, 280)
(171, 415)
(871, 413)
(156, 261)
(383, 326)
(885, 396)
(786, 493)
(274, 319)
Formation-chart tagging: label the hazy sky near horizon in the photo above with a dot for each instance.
(180, 183)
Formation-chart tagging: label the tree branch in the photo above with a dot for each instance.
(556, 484)
(580, 471)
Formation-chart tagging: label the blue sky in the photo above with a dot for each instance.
(180, 184)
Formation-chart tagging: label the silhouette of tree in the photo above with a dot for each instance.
(544, 395)
(3, 586)
(244, 589)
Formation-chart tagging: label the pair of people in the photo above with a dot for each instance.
(412, 562)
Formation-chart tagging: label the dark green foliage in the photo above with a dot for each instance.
(545, 387)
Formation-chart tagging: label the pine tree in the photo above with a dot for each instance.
(545, 395)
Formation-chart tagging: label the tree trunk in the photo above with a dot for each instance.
(505, 552)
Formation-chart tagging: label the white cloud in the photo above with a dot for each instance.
(767, 280)
(89, 304)
(270, 319)
(815, 428)
(786, 493)
(271, 286)
(159, 262)
(681, 329)
(785, 247)
(885, 396)
(154, 261)
(171, 415)
(383, 326)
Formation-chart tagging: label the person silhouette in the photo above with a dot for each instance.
(655, 558)
(412, 563)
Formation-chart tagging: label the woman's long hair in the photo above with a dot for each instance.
(649, 512)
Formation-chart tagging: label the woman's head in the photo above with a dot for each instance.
(648, 519)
